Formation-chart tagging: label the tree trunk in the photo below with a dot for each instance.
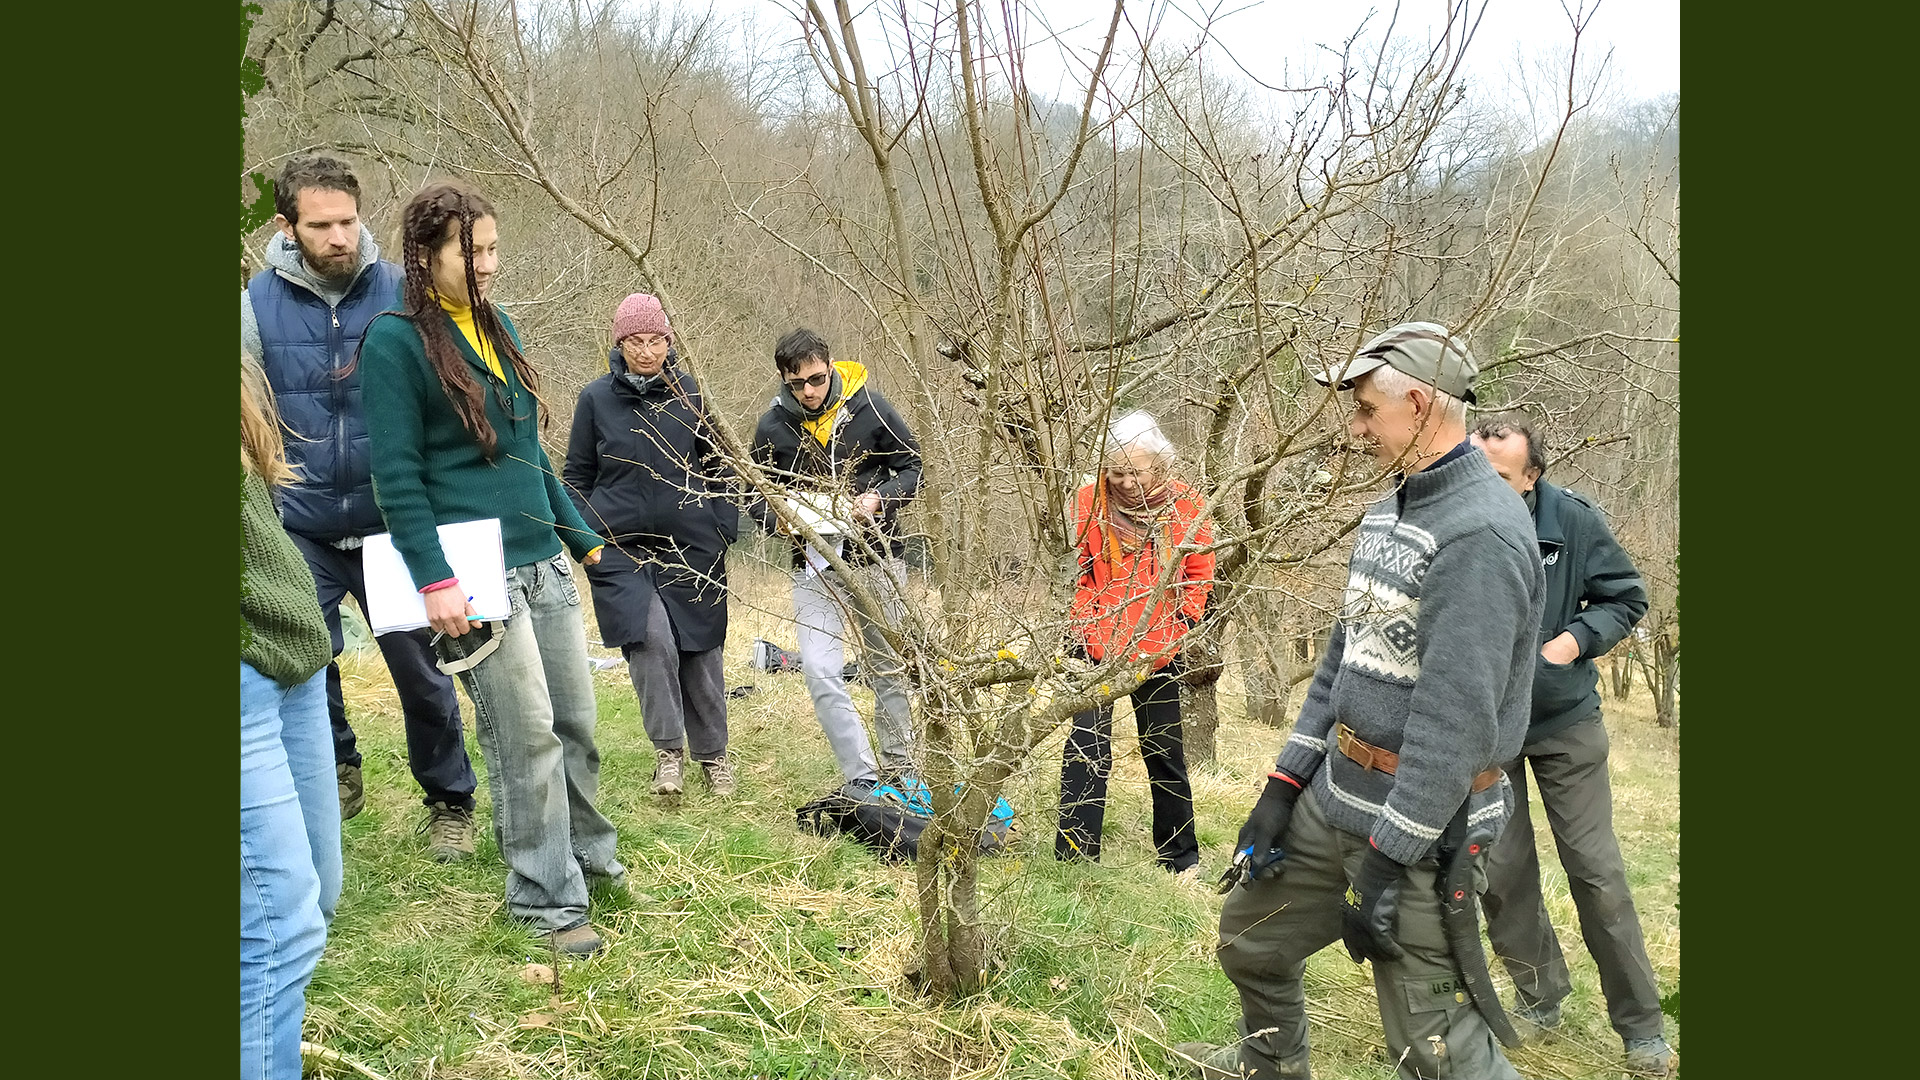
(1666, 669)
(932, 872)
(1658, 657)
(1620, 673)
(1201, 717)
(1267, 669)
(952, 948)
(1201, 655)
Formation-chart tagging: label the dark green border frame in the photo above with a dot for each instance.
(124, 786)
(125, 531)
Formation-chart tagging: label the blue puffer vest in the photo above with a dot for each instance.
(305, 343)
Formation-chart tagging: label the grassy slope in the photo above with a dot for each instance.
(758, 951)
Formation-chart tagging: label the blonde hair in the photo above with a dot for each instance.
(262, 451)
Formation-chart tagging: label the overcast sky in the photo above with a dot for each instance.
(1267, 37)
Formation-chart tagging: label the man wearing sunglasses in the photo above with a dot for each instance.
(850, 465)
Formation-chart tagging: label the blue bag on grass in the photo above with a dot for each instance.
(891, 819)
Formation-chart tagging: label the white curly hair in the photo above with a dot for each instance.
(1134, 435)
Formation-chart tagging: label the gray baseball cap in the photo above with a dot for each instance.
(1423, 350)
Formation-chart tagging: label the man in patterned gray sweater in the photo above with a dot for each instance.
(1424, 689)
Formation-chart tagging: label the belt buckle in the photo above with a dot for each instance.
(1356, 752)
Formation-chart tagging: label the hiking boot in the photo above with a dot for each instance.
(1207, 1061)
(449, 832)
(580, 940)
(353, 790)
(667, 772)
(719, 774)
(860, 790)
(1649, 1057)
(1535, 1020)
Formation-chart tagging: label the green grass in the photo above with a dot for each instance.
(758, 951)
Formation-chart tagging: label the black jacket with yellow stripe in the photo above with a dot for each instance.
(856, 444)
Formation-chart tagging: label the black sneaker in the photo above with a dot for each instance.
(1649, 1057)
(1207, 1061)
(1536, 1019)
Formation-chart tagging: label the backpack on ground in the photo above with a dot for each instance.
(891, 819)
(767, 656)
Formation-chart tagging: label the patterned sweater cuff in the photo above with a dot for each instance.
(1302, 755)
(1402, 839)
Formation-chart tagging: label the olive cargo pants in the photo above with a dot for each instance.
(1570, 767)
(1268, 931)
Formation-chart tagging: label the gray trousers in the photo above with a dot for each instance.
(534, 715)
(1571, 769)
(683, 695)
(1268, 931)
(822, 608)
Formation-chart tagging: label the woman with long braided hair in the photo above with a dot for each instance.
(1131, 523)
(454, 417)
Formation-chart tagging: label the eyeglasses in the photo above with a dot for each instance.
(645, 343)
(794, 386)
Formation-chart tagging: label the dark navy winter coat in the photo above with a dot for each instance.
(642, 469)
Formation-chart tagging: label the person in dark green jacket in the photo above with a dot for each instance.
(1594, 599)
(289, 812)
(453, 417)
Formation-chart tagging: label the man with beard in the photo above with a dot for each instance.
(303, 317)
(848, 458)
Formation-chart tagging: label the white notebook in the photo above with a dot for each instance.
(472, 548)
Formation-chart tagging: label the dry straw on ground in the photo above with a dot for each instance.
(752, 950)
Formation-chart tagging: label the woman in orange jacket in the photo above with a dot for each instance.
(1131, 522)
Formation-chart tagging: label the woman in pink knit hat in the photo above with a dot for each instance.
(642, 467)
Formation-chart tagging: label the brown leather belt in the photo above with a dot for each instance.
(1368, 756)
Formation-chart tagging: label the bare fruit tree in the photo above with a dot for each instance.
(1165, 235)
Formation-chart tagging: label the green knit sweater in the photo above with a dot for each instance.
(428, 469)
(282, 632)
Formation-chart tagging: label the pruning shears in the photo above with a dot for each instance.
(1244, 869)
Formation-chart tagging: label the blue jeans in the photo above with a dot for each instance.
(534, 715)
(289, 863)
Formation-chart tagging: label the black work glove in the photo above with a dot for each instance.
(1259, 842)
(1373, 903)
